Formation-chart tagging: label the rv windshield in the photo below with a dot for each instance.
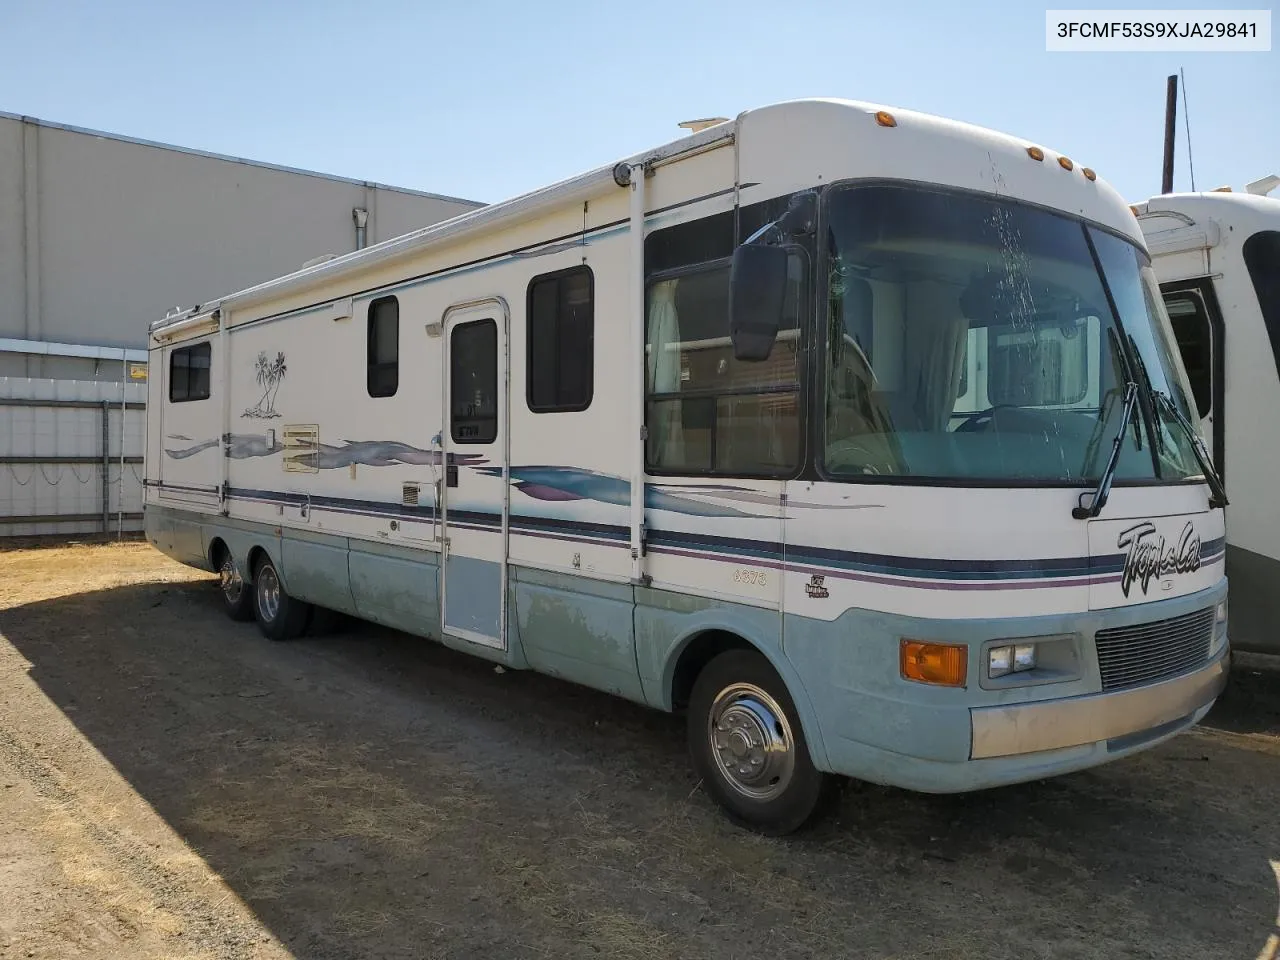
(972, 339)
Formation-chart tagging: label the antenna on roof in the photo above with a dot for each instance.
(693, 126)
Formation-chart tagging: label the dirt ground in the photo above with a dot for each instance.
(174, 785)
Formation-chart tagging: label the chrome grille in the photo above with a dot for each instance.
(1147, 652)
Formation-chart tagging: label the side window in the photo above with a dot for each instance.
(473, 382)
(189, 373)
(1262, 258)
(383, 373)
(707, 412)
(561, 341)
(1192, 330)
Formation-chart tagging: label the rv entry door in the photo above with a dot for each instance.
(474, 492)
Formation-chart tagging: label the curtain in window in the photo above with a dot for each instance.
(936, 336)
(664, 371)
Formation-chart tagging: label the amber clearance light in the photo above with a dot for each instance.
(885, 119)
(942, 664)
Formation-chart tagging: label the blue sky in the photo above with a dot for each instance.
(488, 99)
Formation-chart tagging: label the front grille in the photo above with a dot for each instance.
(1147, 652)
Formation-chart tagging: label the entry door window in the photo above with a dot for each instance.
(473, 382)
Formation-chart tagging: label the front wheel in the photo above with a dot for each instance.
(748, 747)
(280, 616)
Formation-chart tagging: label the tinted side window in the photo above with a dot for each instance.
(189, 373)
(1262, 257)
(383, 362)
(561, 335)
(473, 382)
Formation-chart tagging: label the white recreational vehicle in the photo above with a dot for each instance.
(857, 434)
(1217, 257)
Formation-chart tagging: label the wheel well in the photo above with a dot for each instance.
(256, 555)
(217, 552)
(701, 650)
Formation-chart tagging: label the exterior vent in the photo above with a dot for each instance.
(410, 495)
(301, 444)
(1149, 652)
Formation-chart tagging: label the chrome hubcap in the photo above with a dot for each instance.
(268, 593)
(751, 741)
(232, 584)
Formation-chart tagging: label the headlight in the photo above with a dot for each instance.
(1011, 659)
(1219, 626)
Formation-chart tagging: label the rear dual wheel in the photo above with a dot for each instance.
(280, 616)
(237, 595)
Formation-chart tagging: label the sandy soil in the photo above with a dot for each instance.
(173, 785)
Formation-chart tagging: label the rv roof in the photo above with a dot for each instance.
(565, 191)
(1222, 205)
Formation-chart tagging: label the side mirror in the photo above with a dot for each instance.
(757, 295)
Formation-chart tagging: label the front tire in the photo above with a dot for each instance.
(280, 616)
(748, 747)
(237, 596)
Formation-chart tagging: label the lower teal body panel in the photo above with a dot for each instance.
(859, 716)
(395, 586)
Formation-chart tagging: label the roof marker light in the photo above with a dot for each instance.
(1065, 163)
(1035, 153)
(1088, 174)
(885, 119)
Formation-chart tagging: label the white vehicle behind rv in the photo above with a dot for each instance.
(1217, 257)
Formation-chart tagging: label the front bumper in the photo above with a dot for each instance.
(869, 724)
(1121, 717)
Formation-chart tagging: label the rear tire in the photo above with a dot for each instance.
(280, 616)
(237, 596)
(748, 747)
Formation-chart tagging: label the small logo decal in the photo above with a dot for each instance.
(815, 589)
(1151, 557)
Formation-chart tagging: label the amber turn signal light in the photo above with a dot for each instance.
(942, 664)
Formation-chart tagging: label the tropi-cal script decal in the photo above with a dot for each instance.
(1149, 557)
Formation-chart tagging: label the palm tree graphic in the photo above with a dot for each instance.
(268, 373)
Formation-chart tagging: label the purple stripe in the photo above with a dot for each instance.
(907, 582)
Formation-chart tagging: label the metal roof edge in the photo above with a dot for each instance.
(228, 158)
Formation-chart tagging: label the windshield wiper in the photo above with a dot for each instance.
(1081, 512)
(1217, 490)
